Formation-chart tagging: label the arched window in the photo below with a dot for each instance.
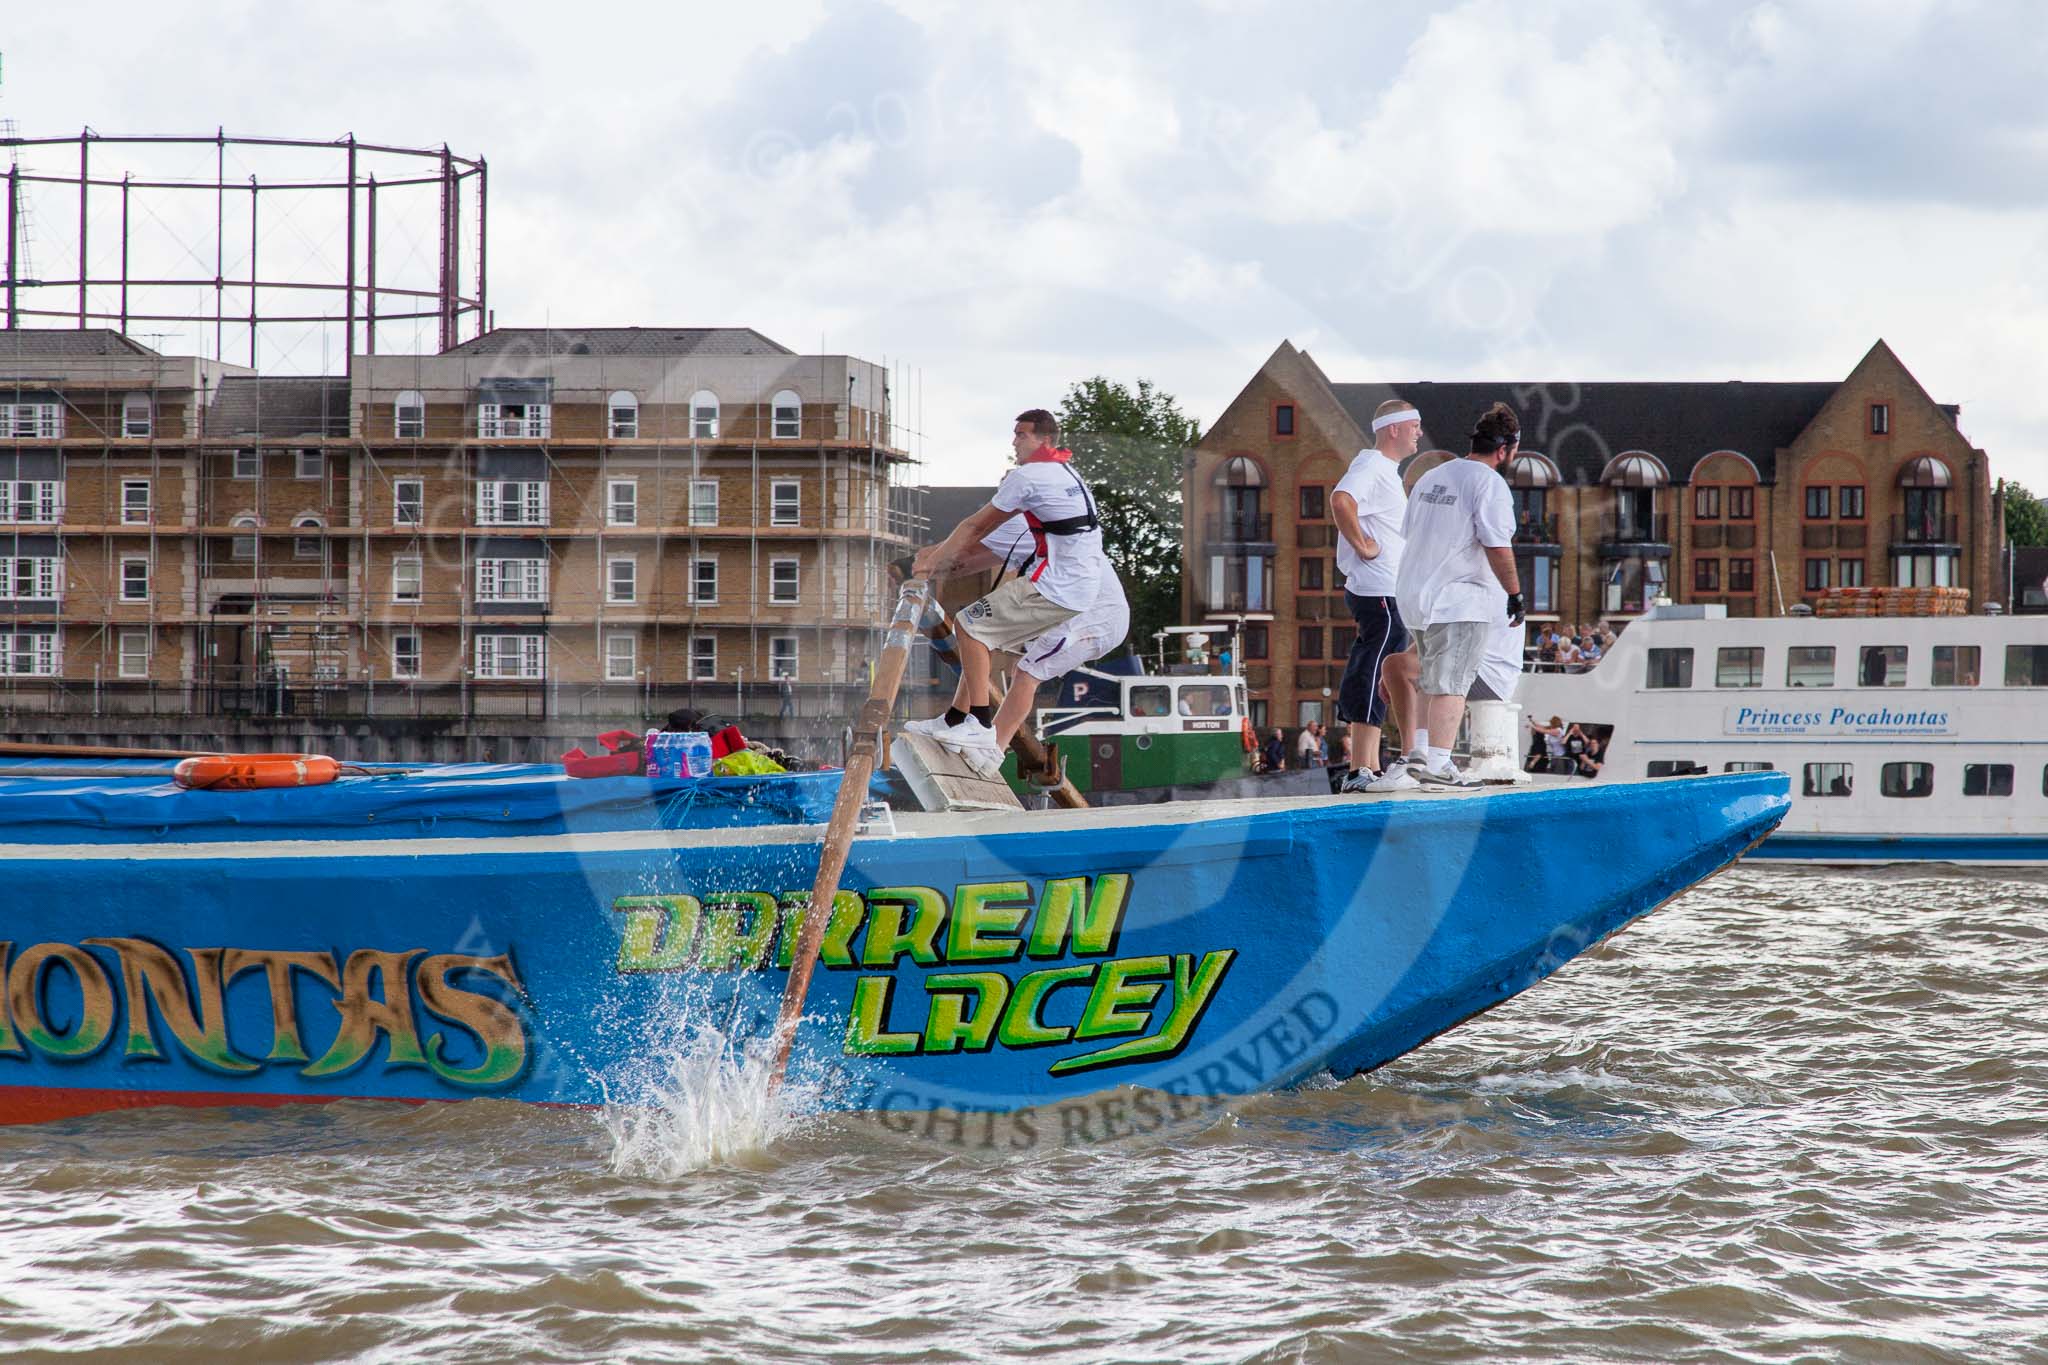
(788, 415)
(1925, 472)
(244, 547)
(1531, 476)
(1243, 485)
(622, 414)
(1923, 485)
(306, 547)
(409, 416)
(1636, 469)
(1532, 470)
(704, 415)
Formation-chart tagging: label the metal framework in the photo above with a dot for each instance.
(54, 179)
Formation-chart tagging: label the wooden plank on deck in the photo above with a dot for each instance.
(943, 780)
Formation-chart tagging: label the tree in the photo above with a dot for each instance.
(1128, 444)
(2026, 516)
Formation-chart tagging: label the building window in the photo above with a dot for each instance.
(1849, 502)
(2026, 665)
(405, 654)
(1987, 779)
(621, 656)
(704, 582)
(248, 464)
(135, 502)
(512, 580)
(1816, 575)
(1706, 575)
(622, 502)
(1309, 574)
(503, 502)
(517, 657)
(1923, 571)
(622, 415)
(1742, 575)
(134, 578)
(408, 502)
(1256, 640)
(1956, 665)
(788, 415)
(621, 580)
(782, 656)
(1810, 666)
(1313, 502)
(405, 579)
(135, 416)
(1742, 503)
(1706, 503)
(31, 500)
(409, 416)
(1669, 668)
(782, 582)
(19, 421)
(1828, 779)
(495, 421)
(1848, 573)
(1881, 666)
(1539, 578)
(311, 464)
(243, 547)
(1308, 642)
(30, 578)
(1283, 419)
(28, 654)
(703, 502)
(1904, 779)
(1739, 666)
(704, 415)
(1818, 500)
(132, 658)
(1880, 419)
(785, 502)
(704, 658)
(306, 547)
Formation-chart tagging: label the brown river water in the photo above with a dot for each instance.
(1796, 1115)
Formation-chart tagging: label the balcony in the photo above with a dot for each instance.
(1539, 531)
(1649, 532)
(1924, 530)
(1232, 603)
(1239, 529)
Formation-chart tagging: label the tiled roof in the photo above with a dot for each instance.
(945, 508)
(249, 405)
(61, 342)
(1582, 426)
(621, 341)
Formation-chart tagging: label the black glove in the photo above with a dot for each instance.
(1514, 609)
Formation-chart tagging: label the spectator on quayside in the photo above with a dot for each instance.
(1546, 644)
(1065, 578)
(1368, 504)
(1458, 583)
(1275, 753)
(1305, 745)
(1590, 648)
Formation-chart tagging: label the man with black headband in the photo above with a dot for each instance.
(1458, 584)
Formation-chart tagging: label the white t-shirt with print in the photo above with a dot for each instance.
(1456, 509)
(1050, 491)
(1500, 668)
(1374, 483)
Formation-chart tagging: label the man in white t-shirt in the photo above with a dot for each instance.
(1458, 583)
(1063, 580)
(1368, 505)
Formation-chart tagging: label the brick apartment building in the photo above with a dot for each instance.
(1757, 496)
(603, 522)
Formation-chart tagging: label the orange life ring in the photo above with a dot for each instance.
(1251, 740)
(254, 772)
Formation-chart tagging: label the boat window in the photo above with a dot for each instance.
(1882, 666)
(1828, 779)
(1739, 666)
(1151, 701)
(1742, 766)
(1205, 701)
(1670, 668)
(1674, 767)
(1906, 779)
(2026, 665)
(1957, 665)
(1810, 666)
(1987, 779)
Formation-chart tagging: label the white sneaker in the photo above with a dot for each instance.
(1450, 775)
(1397, 778)
(931, 728)
(1360, 781)
(973, 741)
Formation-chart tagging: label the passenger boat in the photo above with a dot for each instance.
(1907, 737)
(504, 931)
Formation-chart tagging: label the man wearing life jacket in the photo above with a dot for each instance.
(1064, 578)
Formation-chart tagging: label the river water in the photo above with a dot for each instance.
(1795, 1115)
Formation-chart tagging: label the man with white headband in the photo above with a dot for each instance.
(1368, 505)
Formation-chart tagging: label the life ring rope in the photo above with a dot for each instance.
(254, 772)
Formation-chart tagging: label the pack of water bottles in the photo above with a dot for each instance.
(678, 753)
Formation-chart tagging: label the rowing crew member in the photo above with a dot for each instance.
(1368, 504)
(1036, 614)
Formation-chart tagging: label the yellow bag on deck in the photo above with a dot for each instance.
(746, 763)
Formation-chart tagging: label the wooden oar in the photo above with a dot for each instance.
(19, 749)
(853, 791)
(1031, 754)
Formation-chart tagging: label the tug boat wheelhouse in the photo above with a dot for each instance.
(1906, 737)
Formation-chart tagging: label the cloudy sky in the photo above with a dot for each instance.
(1003, 199)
